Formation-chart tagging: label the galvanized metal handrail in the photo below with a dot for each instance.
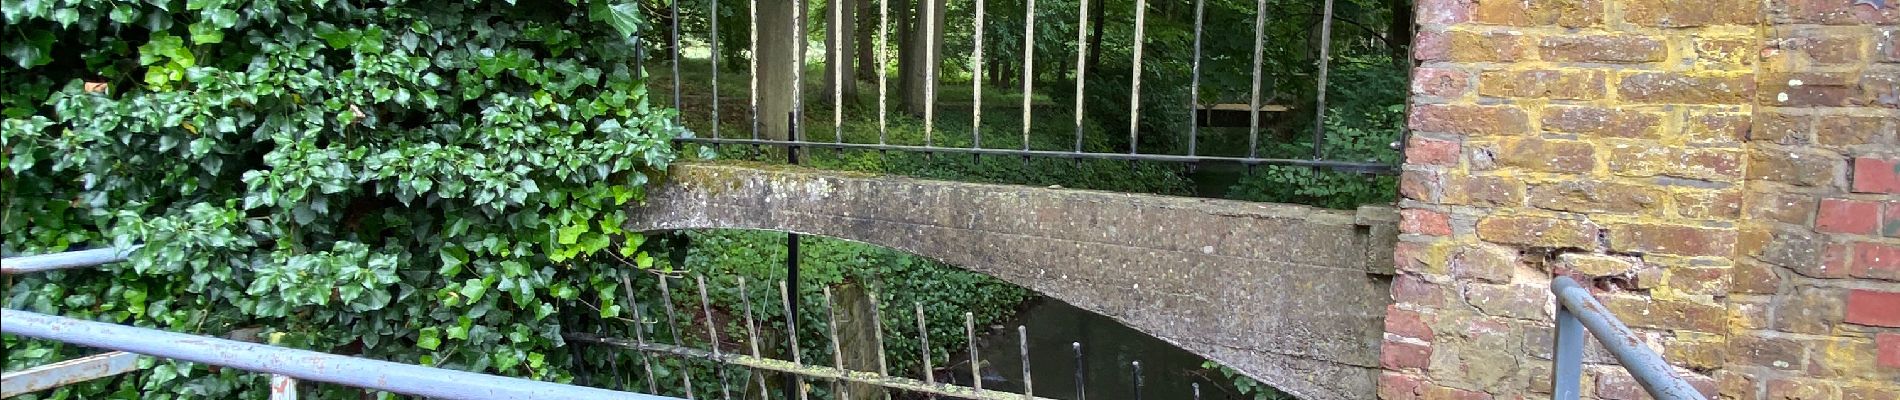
(1577, 311)
(63, 260)
(300, 364)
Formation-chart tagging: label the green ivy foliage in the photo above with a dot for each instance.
(423, 182)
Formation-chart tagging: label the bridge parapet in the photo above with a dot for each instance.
(1291, 295)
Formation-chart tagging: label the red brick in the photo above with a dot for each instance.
(1469, 120)
(1440, 82)
(1681, 13)
(1397, 355)
(1867, 307)
(1396, 386)
(1484, 190)
(1607, 122)
(1787, 208)
(1873, 175)
(1541, 155)
(1847, 216)
(1672, 239)
(1443, 11)
(1684, 88)
(1538, 232)
(1889, 353)
(1405, 323)
(1690, 163)
(1424, 222)
(1408, 289)
(1602, 49)
(1566, 13)
(1616, 384)
(1419, 185)
(1434, 45)
(1876, 261)
(1421, 150)
(1823, 48)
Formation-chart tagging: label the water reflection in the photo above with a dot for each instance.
(1108, 347)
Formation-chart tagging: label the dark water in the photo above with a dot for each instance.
(1108, 349)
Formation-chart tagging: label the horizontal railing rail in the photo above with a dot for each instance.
(1578, 311)
(285, 364)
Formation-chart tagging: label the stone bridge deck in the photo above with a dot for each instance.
(1293, 296)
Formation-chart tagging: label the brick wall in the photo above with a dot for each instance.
(1722, 172)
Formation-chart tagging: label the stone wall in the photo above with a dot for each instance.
(1721, 172)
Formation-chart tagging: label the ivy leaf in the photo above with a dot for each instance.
(429, 338)
(202, 33)
(35, 50)
(622, 15)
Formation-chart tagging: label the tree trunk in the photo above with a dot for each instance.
(841, 23)
(867, 39)
(776, 41)
(918, 66)
(1097, 18)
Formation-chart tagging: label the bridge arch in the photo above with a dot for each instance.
(1292, 296)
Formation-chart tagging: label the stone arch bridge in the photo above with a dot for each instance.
(1294, 296)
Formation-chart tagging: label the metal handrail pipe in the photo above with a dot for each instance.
(307, 365)
(63, 260)
(1650, 370)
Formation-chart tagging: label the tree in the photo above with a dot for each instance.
(776, 66)
(919, 63)
(841, 24)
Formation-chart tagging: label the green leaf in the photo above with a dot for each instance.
(202, 33)
(429, 338)
(624, 16)
(34, 50)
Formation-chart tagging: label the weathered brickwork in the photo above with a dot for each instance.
(1723, 173)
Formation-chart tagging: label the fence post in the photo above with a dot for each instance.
(1568, 356)
(281, 387)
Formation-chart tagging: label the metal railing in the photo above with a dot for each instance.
(1578, 311)
(285, 364)
(1197, 111)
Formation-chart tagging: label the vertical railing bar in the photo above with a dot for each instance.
(930, 70)
(923, 345)
(883, 65)
(1081, 387)
(1029, 66)
(1567, 357)
(1137, 378)
(752, 333)
(639, 331)
(877, 318)
(1134, 98)
(976, 363)
(675, 6)
(1022, 340)
(837, 352)
(1325, 63)
(1194, 83)
(1197, 390)
(1253, 111)
(976, 82)
(712, 336)
(837, 71)
(672, 326)
(753, 58)
(714, 59)
(798, 71)
(1081, 66)
(791, 328)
